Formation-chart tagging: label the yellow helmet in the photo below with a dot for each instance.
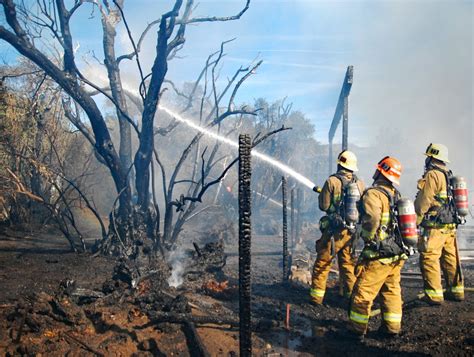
(348, 160)
(437, 151)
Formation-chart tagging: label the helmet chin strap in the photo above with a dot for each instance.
(376, 175)
(340, 167)
(433, 163)
(428, 163)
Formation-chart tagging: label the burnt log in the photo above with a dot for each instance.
(196, 347)
(179, 318)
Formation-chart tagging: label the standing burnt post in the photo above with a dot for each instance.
(342, 111)
(245, 234)
(285, 230)
(299, 209)
(292, 218)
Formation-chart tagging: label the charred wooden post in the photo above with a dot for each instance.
(197, 249)
(292, 218)
(345, 123)
(341, 112)
(245, 234)
(299, 209)
(285, 230)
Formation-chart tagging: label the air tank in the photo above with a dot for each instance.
(351, 197)
(407, 222)
(459, 186)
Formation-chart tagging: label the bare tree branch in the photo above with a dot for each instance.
(135, 49)
(206, 186)
(215, 18)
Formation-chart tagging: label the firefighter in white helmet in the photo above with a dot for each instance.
(336, 238)
(437, 217)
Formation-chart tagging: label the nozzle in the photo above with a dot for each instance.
(317, 189)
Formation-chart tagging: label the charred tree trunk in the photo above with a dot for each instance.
(145, 149)
(109, 23)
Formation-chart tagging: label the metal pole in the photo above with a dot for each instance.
(245, 235)
(285, 229)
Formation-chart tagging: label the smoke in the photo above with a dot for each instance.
(412, 61)
(176, 260)
(413, 85)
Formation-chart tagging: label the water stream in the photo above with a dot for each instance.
(282, 167)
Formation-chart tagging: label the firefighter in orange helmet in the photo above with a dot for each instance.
(336, 237)
(438, 221)
(381, 260)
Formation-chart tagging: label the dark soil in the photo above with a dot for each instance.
(39, 318)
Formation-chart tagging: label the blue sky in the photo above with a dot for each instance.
(305, 48)
(413, 65)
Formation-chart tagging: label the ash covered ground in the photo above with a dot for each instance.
(39, 316)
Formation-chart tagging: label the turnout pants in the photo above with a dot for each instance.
(374, 277)
(322, 265)
(439, 252)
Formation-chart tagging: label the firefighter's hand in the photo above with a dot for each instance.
(317, 189)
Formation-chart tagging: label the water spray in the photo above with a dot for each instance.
(282, 167)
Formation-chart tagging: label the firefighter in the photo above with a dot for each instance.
(336, 238)
(438, 241)
(381, 260)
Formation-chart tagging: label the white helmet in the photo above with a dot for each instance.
(348, 160)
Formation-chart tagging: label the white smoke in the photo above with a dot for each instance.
(177, 261)
(413, 85)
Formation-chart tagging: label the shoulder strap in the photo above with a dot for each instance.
(344, 180)
(448, 174)
(393, 198)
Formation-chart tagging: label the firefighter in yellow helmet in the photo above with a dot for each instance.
(438, 220)
(336, 236)
(383, 256)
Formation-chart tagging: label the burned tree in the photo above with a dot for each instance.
(130, 224)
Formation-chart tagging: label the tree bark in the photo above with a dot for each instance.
(109, 34)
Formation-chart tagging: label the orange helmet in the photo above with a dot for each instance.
(391, 168)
